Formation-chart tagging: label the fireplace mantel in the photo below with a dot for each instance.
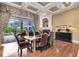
(45, 28)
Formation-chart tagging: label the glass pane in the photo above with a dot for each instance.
(28, 25)
(13, 25)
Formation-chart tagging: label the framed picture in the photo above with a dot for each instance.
(63, 27)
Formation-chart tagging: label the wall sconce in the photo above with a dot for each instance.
(71, 28)
(58, 28)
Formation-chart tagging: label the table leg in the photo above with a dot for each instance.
(34, 47)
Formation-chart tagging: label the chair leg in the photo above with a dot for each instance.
(31, 49)
(41, 49)
(20, 52)
(31, 46)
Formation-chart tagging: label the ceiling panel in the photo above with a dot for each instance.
(66, 4)
(43, 3)
(53, 9)
(18, 3)
(32, 8)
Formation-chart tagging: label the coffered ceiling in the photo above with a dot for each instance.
(43, 7)
(43, 3)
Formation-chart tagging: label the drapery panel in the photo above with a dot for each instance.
(36, 22)
(7, 11)
(4, 18)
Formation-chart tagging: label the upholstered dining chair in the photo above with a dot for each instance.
(43, 42)
(51, 38)
(38, 35)
(22, 45)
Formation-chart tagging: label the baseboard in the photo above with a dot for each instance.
(75, 41)
(78, 54)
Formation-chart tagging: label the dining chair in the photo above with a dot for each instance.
(31, 34)
(51, 38)
(43, 42)
(22, 45)
(21, 36)
(46, 31)
(36, 33)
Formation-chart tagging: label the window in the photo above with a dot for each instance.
(15, 24)
(28, 25)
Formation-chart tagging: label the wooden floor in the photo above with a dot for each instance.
(59, 49)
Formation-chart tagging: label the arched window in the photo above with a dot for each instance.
(45, 22)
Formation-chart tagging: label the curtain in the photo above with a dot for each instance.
(4, 18)
(36, 22)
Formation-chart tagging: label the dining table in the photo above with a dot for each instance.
(33, 39)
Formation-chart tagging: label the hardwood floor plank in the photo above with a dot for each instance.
(59, 49)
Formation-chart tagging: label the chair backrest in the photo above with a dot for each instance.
(16, 37)
(51, 35)
(51, 38)
(46, 31)
(36, 33)
(44, 40)
(31, 34)
(23, 33)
